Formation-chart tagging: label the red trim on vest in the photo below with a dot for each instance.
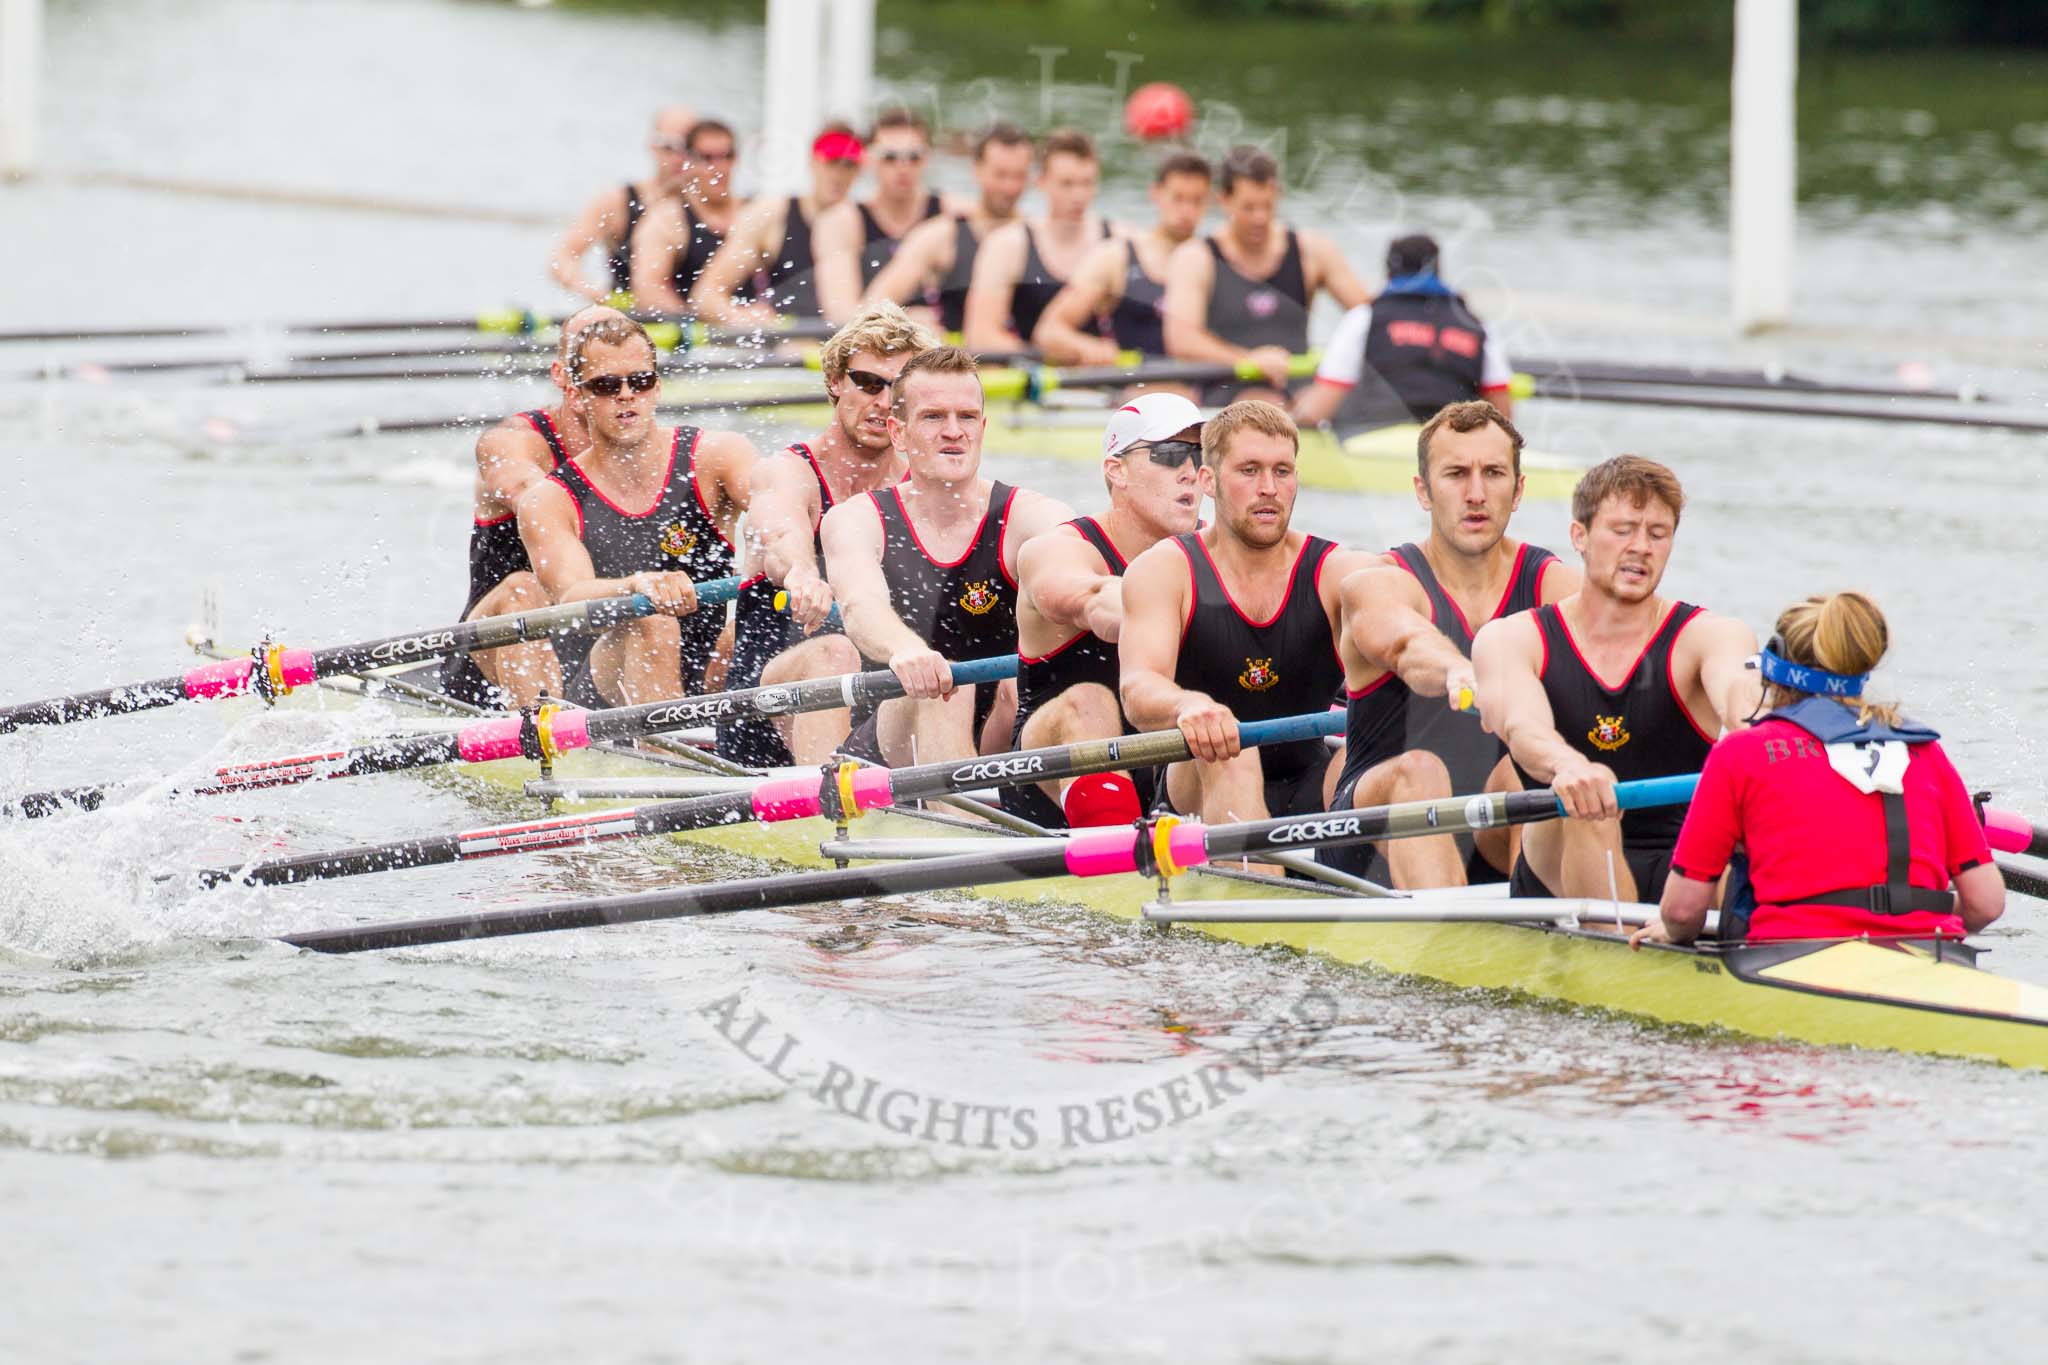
(1375, 685)
(918, 540)
(1121, 562)
(1187, 617)
(1628, 677)
(667, 473)
(1292, 569)
(1002, 534)
(496, 521)
(556, 480)
(1670, 661)
(1056, 651)
(697, 489)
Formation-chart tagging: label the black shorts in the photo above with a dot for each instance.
(865, 742)
(1296, 793)
(1366, 860)
(1650, 866)
(761, 633)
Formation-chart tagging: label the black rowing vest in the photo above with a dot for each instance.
(1639, 729)
(1036, 288)
(704, 243)
(1386, 719)
(1137, 323)
(1269, 312)
(951, 294)
(621, 259)
(790, 280)
(878, 248)
(676, 533)
(760, 632)
(1421, 352)
(1086, 658)
(495, 550)
(1286, 666)
(964, 610)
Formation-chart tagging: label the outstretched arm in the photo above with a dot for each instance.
(1190, 276)
(1064, 579)
(1327, 269)
(779, 520)
(715, 296)
(853, 539)
(835, 246)
(603, 220)
(549, 527)
(997, 268)
(663, 234)
(1156, 589)
(1507, 656)
(1064, 334)
(1386, 622)
(925, 254)
(1720, 648)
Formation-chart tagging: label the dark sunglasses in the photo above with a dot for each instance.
(1172, 454)
(867, 381)
(907, 154)
(608, 385)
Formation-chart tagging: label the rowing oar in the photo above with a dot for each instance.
(2008, 831)
(543, 734)
(272, 670)
(840, 792)
(1646, 395)
(221, 429)
(1033, 384)
(1159, 847)
(493, 321)
(1709, 377)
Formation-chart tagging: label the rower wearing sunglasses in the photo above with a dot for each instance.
(511, 457)
(792, 491)
(926, 571)
(679, 236)
(854, 240)
(1070, 608)
(1411, 729)
(935, 264)
(768, 253)
(648, 509)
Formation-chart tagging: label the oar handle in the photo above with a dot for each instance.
(2008, 831)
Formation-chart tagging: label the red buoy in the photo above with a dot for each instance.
(1159, 110)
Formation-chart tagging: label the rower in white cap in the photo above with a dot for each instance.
(1070, 607)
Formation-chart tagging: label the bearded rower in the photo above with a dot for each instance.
(1244, 293)
(1124, 279)
(792, 492)
(680, 235)
(767, 269)
(935, 264)
(1022, 265)
(1070, 608)
(1410, 730)
(1680, 678)
(1239, 622)
(609, 219)
(647, 509)
(511, 457)
(856, 239)
(926, 571)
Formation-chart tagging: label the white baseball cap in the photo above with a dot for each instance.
(1149, 417)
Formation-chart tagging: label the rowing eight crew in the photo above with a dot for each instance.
(1068, 282)
(1142, 618)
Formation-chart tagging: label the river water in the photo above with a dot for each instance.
(553, 1148)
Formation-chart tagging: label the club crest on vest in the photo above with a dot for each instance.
(980, 597)
(1609, 732)
(677, 540)
(1258, 675)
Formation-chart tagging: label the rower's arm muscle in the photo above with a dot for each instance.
(1155, 593)
(1723, 645)
(1385, 614)
(852, 536)
(507, 464)
(1065, 579)
(779, 516)
(925, 254)
(714, 295)
(1190, 275)
(1333, 272)
(836, 244)
(663, 234)
(547, 526)
(607, 210)
(1512, 703)
(997, 268)
(1094, 290)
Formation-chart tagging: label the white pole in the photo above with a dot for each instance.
(850, 41)
(1762, 150)
(21, 60)
(790, 85)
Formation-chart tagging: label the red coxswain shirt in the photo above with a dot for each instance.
(1807, 831)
